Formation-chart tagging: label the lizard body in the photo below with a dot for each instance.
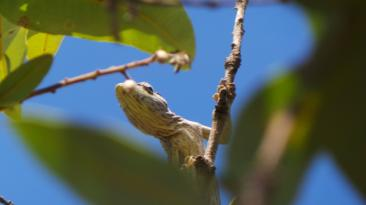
(149, 112)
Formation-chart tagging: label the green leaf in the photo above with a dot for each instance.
(43, 43)
(12, 47)
(340, 125)
(20, 83)
(337, 73)
(102, 167)
(8, 32)
(141, 25)
(15, 53)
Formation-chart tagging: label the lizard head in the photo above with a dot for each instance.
(142, 94)
(146, 109)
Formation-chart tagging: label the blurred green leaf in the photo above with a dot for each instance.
(144, 26)
(43, 43)
(102, 167)
(252, 123)
(251, 126)
(21, 82)
(14, 112)
(337, 73)
(328, 101)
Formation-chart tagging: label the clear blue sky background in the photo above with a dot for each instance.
(277, 37)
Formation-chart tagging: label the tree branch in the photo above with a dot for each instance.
(203, 166)
(226, 90)
(93, 75)
(4, 201)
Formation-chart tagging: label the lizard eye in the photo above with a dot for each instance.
(147, 87)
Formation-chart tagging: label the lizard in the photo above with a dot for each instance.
(148, 111)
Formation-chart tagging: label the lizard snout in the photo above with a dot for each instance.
(126, 87)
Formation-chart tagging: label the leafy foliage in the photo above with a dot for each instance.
(328, 101)
(142, 25)
(139, 24)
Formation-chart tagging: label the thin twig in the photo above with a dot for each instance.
(226, 90)
(4, 201)
(93, 75)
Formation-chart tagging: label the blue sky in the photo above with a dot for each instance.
(277, 38)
